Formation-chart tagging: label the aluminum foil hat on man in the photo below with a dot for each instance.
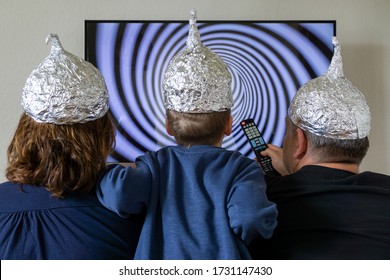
(197, 80)
(330, 105)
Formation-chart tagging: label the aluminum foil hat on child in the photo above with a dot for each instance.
(330, 105)
(197, 80)
(64, 89)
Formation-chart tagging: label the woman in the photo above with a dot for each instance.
(48, 208)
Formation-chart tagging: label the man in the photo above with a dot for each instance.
(327, 209)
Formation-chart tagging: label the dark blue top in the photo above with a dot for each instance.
(202, 202)
(35, 225)
(327, 213)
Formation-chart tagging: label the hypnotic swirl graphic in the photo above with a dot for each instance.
(268, 63)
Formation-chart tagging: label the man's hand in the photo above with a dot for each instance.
(276, 154)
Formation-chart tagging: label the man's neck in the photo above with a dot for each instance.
(351, 167)
(347, 166)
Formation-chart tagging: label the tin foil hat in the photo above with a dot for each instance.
(64, 89)
(197, 80)
(330, 105)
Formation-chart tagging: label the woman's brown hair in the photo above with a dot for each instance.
(62, 158)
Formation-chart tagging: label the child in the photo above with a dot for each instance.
(201, 201)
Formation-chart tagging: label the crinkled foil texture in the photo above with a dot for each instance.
(65, 89)
(197, 81)
(332, 108)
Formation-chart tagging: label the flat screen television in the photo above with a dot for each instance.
(268, 60)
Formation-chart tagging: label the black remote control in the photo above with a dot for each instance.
(258, 144)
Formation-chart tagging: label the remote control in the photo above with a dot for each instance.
(258, 144)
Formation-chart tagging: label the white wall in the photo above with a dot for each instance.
(362, 28)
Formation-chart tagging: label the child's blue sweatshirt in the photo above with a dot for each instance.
(201, 202)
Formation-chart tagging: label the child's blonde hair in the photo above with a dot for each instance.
(198, 128)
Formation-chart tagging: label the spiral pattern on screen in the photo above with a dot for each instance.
(268, 63)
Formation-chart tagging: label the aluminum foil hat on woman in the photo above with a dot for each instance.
(197, 80)
(64, 89)
(330, 105)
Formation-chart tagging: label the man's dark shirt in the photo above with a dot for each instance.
(327, 213)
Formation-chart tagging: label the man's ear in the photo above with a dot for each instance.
(301, 144)
(229, 127)
(167, 127)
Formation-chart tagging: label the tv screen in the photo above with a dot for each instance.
(268, 60)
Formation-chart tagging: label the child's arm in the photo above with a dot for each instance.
(250, 212)
(125, 190)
